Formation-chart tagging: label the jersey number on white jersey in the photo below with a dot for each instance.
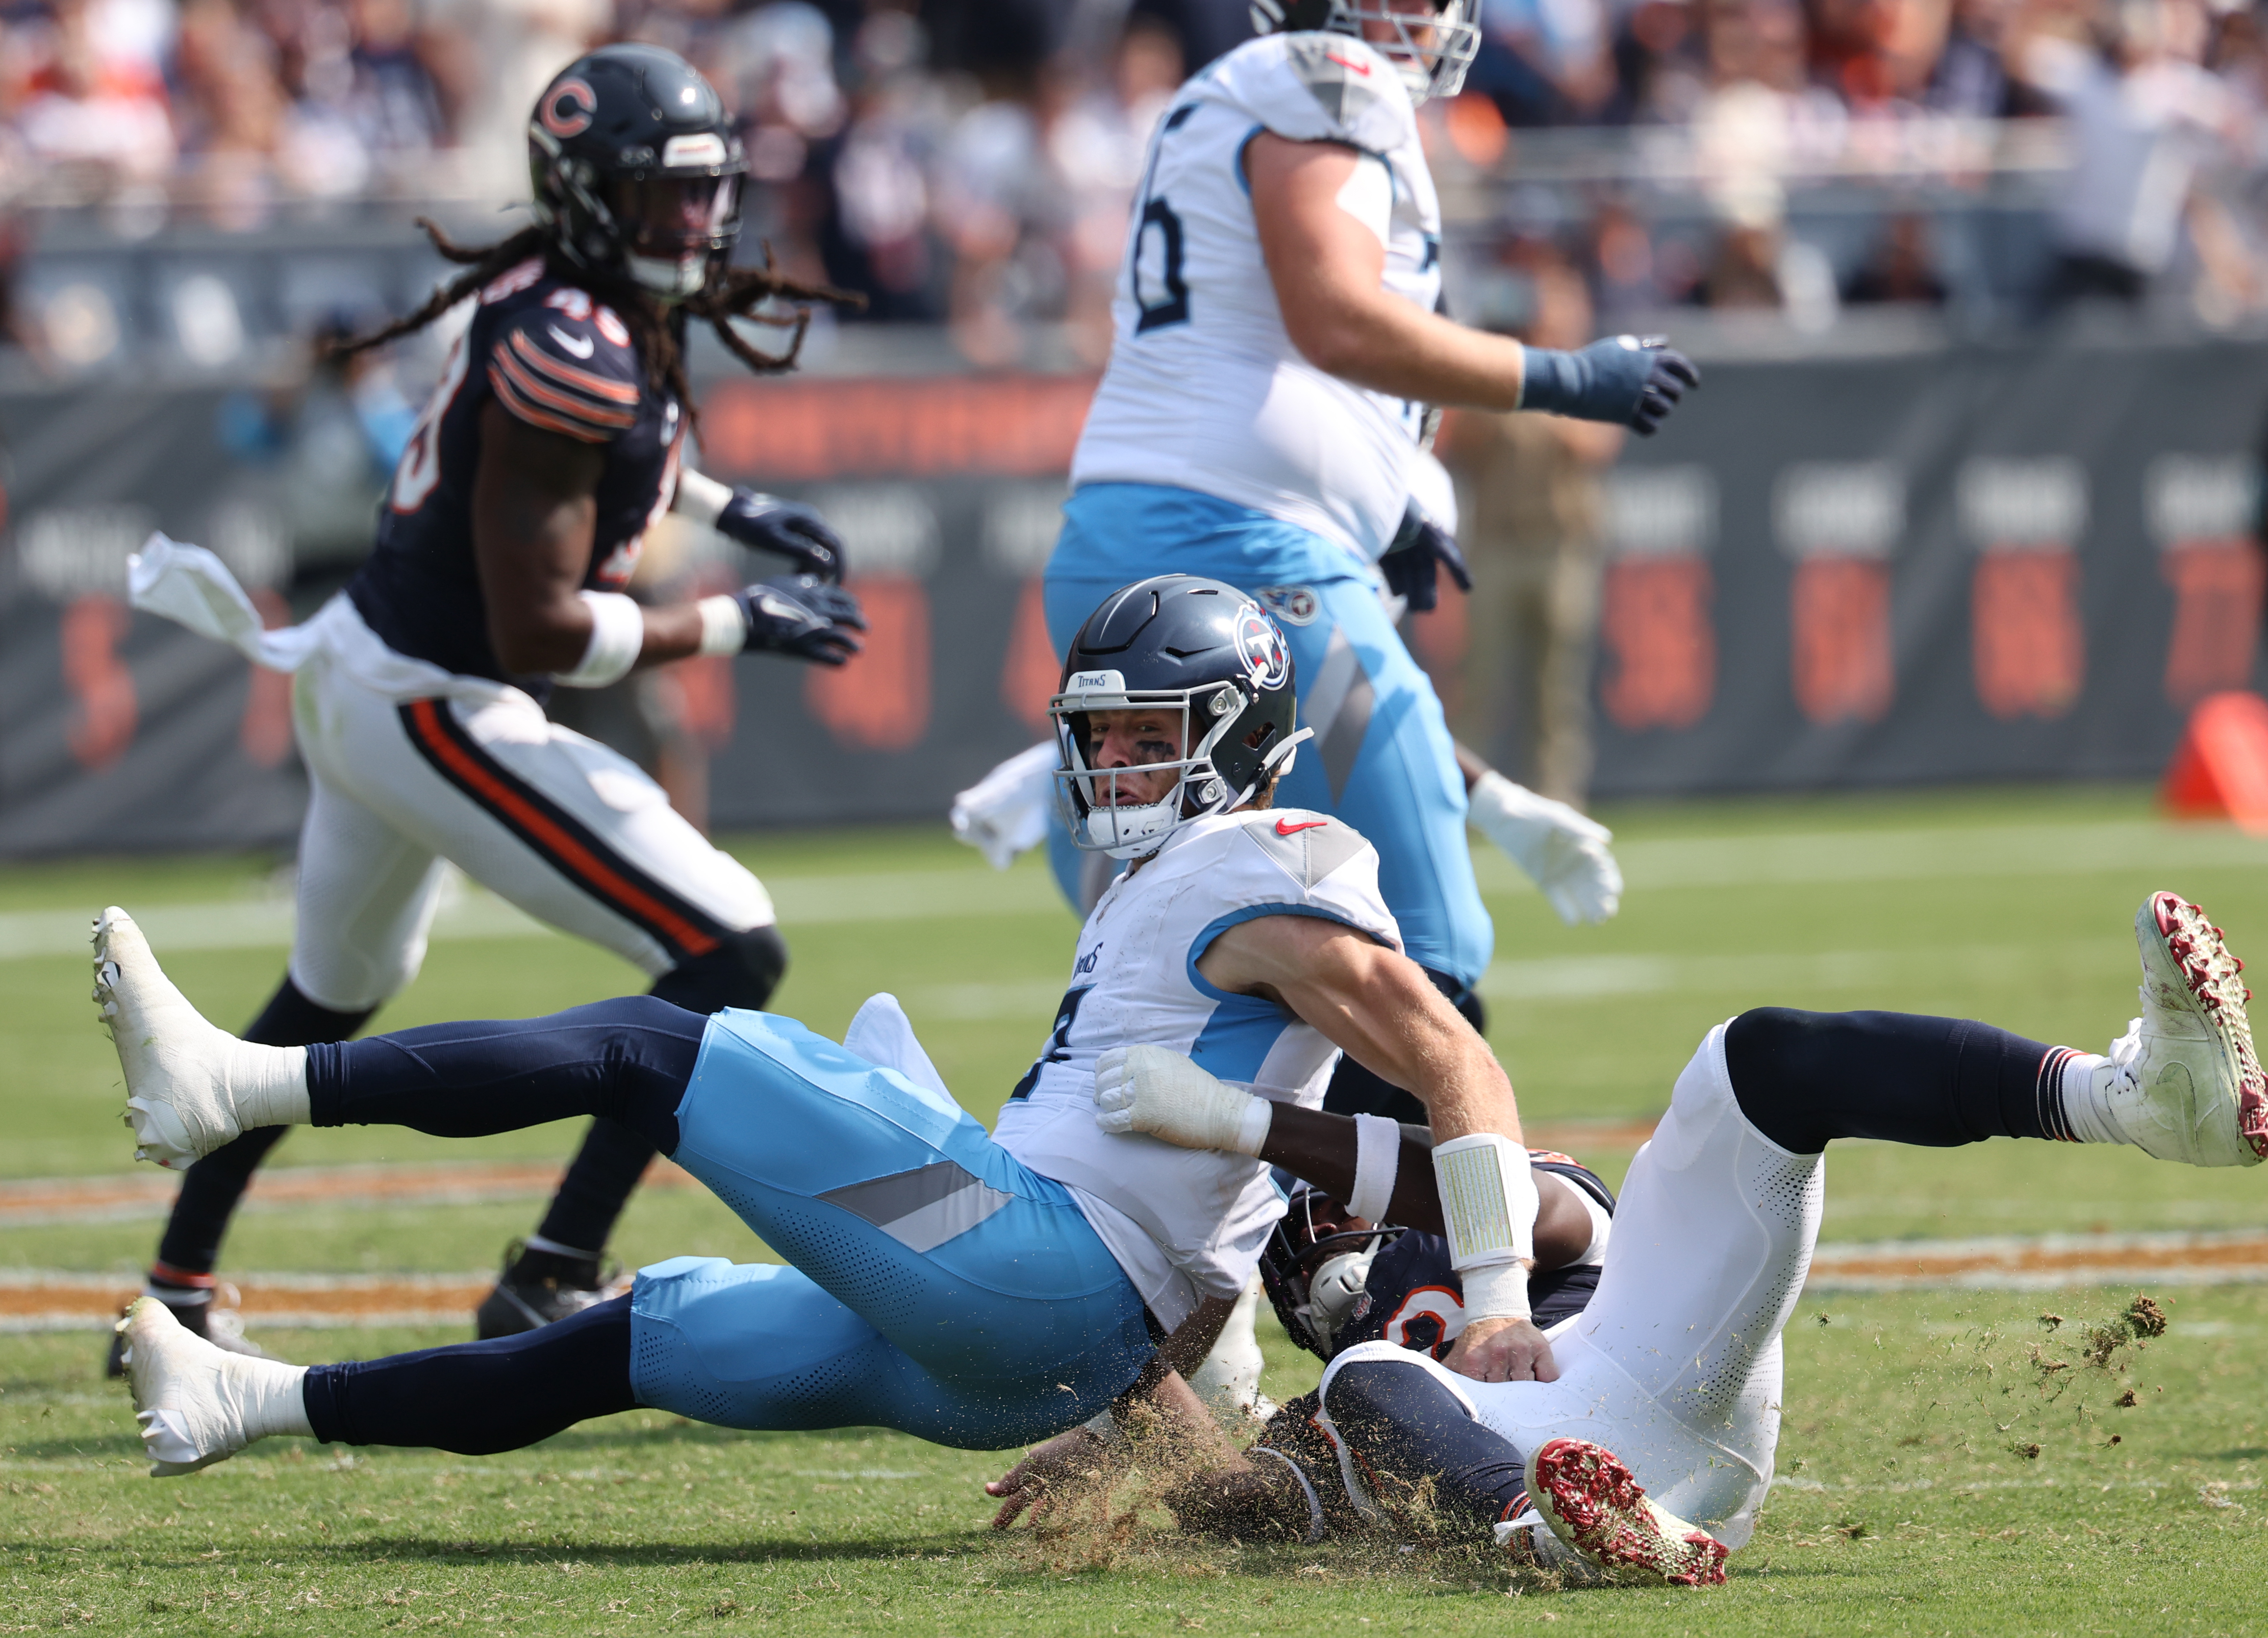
(1161, 295)
(1058, 1050)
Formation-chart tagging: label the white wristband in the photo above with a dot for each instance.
(724, 624)
(617, 633)
(700, 498)
(1377, 1159)
(1498, 1292)
(1488, 1200)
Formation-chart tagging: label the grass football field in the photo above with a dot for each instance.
(1951, 1463)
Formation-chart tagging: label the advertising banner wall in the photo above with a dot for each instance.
(2006, 564)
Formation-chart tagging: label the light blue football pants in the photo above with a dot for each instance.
(940, 1287)
(1382, 758)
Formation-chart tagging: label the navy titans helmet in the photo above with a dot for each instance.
(1198, 648)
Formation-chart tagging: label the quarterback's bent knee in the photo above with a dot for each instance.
(741, 971)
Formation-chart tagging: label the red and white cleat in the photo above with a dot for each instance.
(2188, 1085)
(1595, 1505)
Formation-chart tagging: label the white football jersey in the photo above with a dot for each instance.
(1205, 389)
(1189, 1223)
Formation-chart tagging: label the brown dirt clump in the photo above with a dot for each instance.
(2145, 1317)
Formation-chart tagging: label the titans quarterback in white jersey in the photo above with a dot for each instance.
(1277, 350)
(977, 1289)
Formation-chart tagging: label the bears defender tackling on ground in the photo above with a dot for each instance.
(974, 1289)
(554, 441)
(1668, 1380)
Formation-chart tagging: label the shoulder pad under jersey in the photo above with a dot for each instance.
(564, 363)
(1308, 846)
(1314, 87)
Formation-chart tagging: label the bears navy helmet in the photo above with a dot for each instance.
(636, 167)
(1194, 647)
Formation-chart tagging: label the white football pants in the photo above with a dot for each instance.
(1676, 1364)
(568, 831)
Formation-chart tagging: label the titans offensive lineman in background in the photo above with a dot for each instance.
(1276, 348)
(554, 441)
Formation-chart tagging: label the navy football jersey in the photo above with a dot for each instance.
(1415, 1300)
(558, 360)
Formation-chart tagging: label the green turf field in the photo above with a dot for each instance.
(1910, 1500)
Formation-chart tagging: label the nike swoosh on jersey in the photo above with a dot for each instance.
(581, 347)
(1282, 829)
(1362, 68)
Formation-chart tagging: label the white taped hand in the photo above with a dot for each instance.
(1564, 853)
(1156, 1090)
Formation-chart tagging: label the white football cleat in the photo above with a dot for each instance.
(189, 1083)
(190, 1398)
(2186, 1084)
(1595, 1505)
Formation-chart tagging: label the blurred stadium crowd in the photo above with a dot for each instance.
(970, 161)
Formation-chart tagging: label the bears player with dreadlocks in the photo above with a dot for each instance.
(555, 440)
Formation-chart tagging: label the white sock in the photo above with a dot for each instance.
(2087, 1082)
(271, 1397)
(267, 1084)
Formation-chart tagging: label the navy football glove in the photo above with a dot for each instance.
(786, 527)
(1412, 565)
(1632, 380)
(803, 616)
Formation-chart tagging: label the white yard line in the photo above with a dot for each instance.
(53, 1299)
(1764, 861)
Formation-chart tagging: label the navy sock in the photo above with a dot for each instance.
(597, 1186)
(1803, 1078)
(1405, 1428)
(629, 1060)
(478, 1398)
(741, 971)
(212, 1187)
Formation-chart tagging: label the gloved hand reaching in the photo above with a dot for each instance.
(1632, 380)
(1564, 853)
(1156, 1090)
(799, 615)
(789, 528)
(1412, 565)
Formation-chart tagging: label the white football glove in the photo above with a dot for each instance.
(1564, 854)
(1156, 1090)
(1005, 812)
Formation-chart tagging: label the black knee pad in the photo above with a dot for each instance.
(1768, 1053)
(742, 970)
